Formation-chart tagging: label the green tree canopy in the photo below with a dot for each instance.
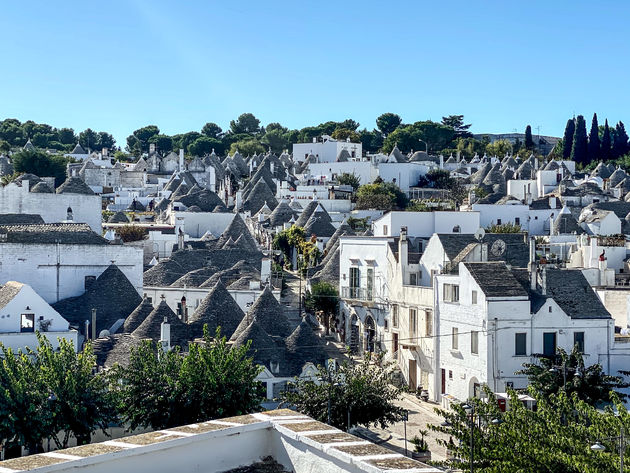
(529, 141)
(380, 196)
(343, 134)
(407, 137)
(579, 152)
(499, 148)
(569, 132)
(163, 143)
(40, 164)
(362, 392)
(204, 145)
(138, 141)
(456, 122)
(594, 151)
(323, 299)
(388, 122)
(554, 438)
(606, 143)
(246, 123)
(212, 130)
(164, 389)
(247, 147)
(349, 180)
(590, 384)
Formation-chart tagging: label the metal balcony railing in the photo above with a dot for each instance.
(357, 293)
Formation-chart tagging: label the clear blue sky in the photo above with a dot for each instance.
(116, 66)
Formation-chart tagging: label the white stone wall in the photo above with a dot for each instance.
(36, 265)
(425, 224)
(52, 207)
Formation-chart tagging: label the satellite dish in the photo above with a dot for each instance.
(479, 234)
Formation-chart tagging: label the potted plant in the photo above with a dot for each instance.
(421, 450)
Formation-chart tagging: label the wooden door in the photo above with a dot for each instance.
(443, 373)
(413, 375)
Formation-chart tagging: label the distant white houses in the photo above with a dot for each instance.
(327, 150)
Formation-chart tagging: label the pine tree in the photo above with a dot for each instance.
(620, 142)
(606, 150)
(579, 151)
(569, 131)
(594, 150)
(529, 142)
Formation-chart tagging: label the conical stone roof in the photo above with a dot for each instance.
(235, 229)
(269, 313)
(118, 217)
(134, 319)
(151, 327)
(304, 346)
(74, 185)
(217, 309)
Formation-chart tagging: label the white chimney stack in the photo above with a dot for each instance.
(265, 269)
(181, 159)
(165, 335)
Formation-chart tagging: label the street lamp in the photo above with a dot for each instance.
(622, 444)
(470, 411)
(426, 146)
(554, 369)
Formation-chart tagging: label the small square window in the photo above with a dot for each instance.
(455, 338)
(473, 298)
(450, 374)
(474, 342)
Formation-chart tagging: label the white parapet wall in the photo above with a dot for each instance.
(297, 442)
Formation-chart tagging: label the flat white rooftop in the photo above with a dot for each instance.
(296, 442)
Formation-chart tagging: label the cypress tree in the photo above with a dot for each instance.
(606, 150)
(593, 140)
(579, 152)
(620, 143)
(529, 141)
(569, 131)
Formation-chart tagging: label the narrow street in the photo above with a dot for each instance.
(421, 414)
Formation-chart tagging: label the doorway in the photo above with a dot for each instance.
(413, 375)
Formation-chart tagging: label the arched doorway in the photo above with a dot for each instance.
(370, 333)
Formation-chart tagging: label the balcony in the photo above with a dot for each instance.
(357, 293)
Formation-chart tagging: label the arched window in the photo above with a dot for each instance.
(69, 213)
(457, 229)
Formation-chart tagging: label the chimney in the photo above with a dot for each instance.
(181, 159)
(533, 267)
(180, 239)
(93, 324)
(441, 162)
(265, 270)
(239, 200)
(105, 152)
(272, 167)
(151, 148)
(484, 252)
(165, 335)
(403, 248)
(87, 329)
(543, 281)
(552, 202)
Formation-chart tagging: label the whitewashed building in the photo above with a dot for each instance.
(326, 150)
(23, 312)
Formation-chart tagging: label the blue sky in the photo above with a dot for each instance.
(116, 66)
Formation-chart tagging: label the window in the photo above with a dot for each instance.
(451, 293)
(578, 341)
(457, 229)
(27, 323)
(370, 283)
(549, 343)
(450, 374)
(395, 343)
(395, 316)
(384, 229)
(413, 322)
(386, 323)
(520, 344)
(87, 282)
(454, 338)
(517, 221)
(355, 282)
(498, 221)
(473, 298)
(413, 279)
(428, 323)
(550, 309)
(474, 342)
